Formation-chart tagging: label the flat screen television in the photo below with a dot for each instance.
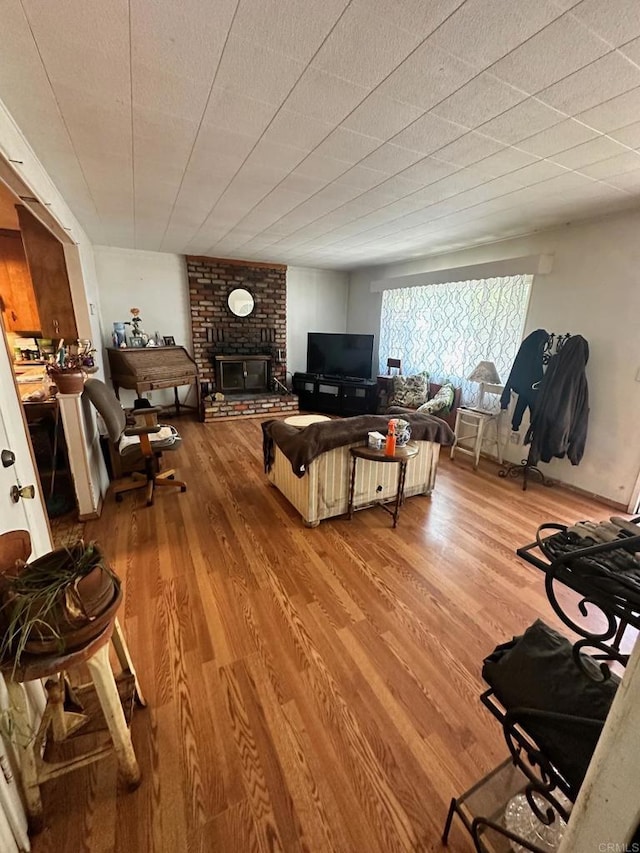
(344, 356)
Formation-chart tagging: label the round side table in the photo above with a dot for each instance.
(400, 457)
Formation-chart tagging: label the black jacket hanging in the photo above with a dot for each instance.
(527, 370)
(561, 412)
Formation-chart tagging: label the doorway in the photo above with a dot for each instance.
(36, 313)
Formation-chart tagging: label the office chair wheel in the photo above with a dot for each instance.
(150, 503)
(183, 488)
(171, 477)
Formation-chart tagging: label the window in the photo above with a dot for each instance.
(447, 329)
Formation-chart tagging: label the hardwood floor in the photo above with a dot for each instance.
(309, 689)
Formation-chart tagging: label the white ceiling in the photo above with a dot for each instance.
(327, 132)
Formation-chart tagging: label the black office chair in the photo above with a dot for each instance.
(146, 438)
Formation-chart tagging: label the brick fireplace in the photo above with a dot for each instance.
(241, 343)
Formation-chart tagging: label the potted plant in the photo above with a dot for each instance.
(68, 367)
(56, 603)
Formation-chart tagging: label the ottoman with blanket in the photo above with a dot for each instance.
(311, 466)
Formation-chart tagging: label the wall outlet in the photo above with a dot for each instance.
(514, 438)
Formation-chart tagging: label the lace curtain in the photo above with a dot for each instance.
(447, 329)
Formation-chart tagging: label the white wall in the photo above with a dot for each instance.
(157, 284)
(154, 282)
(316, 302)
(592, 290)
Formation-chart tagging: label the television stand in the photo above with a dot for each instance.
(335, 395)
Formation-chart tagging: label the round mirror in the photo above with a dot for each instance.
(240, 302)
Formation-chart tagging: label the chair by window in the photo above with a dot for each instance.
(146, 439)
(394, 364)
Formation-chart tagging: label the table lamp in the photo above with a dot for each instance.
(485, 373)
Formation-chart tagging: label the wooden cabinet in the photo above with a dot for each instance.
(48, 270)
(17, 299)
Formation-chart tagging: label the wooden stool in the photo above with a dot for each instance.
(58, 727)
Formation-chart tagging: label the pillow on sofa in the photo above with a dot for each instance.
(410, 391)
(441, 402)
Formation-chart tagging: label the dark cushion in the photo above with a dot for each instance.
(538, 671)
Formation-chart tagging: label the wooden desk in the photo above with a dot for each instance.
(400, 457)
(153, 368)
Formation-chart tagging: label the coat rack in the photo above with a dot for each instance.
(525, 468)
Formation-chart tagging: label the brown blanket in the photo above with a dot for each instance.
(302, 446)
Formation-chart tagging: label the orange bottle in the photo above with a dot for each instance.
(390, 445)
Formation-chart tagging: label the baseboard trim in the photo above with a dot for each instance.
(91, 516)
(621, 507)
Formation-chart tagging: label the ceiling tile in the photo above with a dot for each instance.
(321, 168)
(279, 26)
(628, 135)
(255, 71)
(427, 77)
(505, 161)
(541, 170)
(428, 134)
(403, 185)
(610, 76)
(391, 158)
(567, 182)
(629, 182)
(325, 96)
(627, 162)
(229, 110)
(302, 184)
(557, 138)
(544, 59)
(617, 21)
(414, 15)
(429, 170)
(291, 128)
(218, 154)
(175, 55)
(589, 152)
(363, 178)
(631, 50)
(275, 156)
(380, 116)
(521, 121)
(387, 47)
(347, 145)
(469, 149)
(478, 101)
(614, 113)
(483, 31)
